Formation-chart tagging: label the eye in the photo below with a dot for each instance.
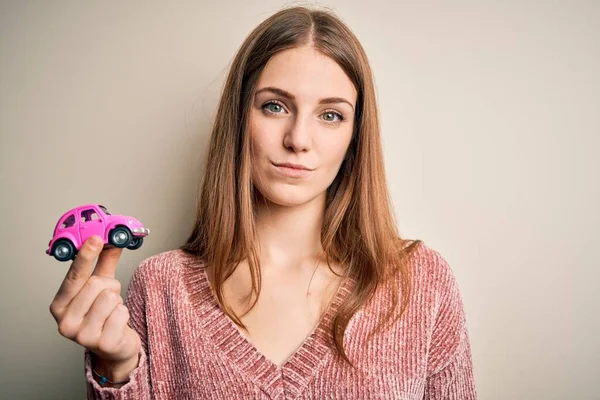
(330, 116)
(273, 107)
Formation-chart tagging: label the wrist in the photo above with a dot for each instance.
(111, 373)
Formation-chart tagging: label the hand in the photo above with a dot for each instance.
(89, 310)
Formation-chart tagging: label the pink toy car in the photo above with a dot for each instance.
(78, 224)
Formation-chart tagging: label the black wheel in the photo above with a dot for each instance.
(120, 237)
(63, 250)
(136, 243)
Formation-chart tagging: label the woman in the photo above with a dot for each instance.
(294, 283)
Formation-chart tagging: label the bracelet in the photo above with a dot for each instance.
(104, 380)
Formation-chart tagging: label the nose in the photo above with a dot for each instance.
(298, 135)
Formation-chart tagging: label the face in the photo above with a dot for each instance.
(303, 113)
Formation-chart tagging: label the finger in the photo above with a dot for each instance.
(107, 262)
(93, 322)
(113, 332)
(79, 271)
(77, 309)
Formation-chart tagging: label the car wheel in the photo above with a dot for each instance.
(120, 237)
(63, 250)
(136, 243)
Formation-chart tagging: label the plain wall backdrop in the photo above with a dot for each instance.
(490, 123)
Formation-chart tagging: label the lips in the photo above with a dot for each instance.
(291, 172)
(294, 166)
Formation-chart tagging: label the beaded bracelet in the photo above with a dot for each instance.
(104, 380)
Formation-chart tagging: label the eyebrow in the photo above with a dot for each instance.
(288, 95)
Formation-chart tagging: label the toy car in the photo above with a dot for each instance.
(78, 224)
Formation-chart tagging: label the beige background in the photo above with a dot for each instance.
(491, 131)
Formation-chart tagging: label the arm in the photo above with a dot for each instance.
(449, 365)
(138, 386)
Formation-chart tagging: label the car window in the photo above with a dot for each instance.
(105, 210)
(89, 215)
(68, 222)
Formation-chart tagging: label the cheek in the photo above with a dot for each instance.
(262, 136)
(334, 149)
(262, 148)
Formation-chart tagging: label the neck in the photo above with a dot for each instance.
(290, 236)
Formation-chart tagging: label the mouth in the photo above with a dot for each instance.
(294, 166)
(292, 172)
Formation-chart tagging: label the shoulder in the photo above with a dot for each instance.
(162, 270)
(429, 264)
(432, 275)
(442, 305)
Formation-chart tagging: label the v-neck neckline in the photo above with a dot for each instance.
(295, 373)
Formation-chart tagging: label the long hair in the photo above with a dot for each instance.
(359, 230)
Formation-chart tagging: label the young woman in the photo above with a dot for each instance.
(294, 283)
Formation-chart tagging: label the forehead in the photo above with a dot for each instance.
(307, 74)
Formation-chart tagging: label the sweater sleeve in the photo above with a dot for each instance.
(449, 364)
(138, 386)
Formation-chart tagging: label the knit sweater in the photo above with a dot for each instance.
(191, 349)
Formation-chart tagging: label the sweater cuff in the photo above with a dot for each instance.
(136, 388)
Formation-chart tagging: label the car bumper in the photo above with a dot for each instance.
(141, 232)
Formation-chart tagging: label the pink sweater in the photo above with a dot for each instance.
(192, 350)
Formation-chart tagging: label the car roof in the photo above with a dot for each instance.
(72, 210)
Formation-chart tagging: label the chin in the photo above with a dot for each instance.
(287, 196)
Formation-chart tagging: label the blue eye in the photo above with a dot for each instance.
(273, 107)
